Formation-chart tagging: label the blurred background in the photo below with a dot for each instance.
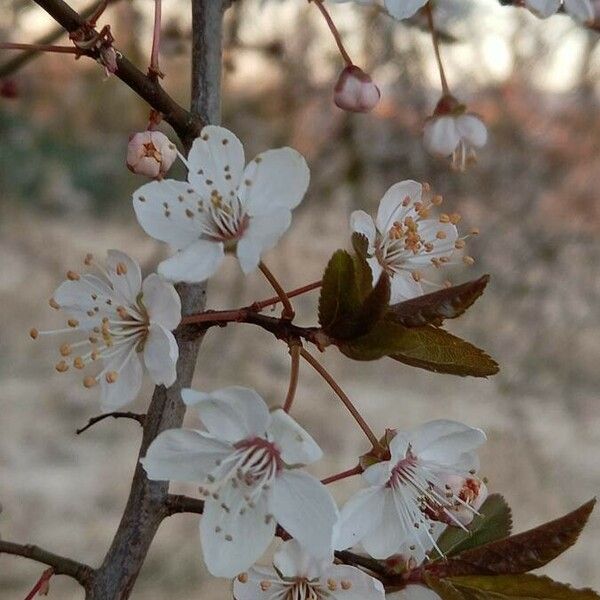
(65, 191)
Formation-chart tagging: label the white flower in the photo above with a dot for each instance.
(429, 478)
(355, 91)
(223, 206)
(403, 240)
(123, 321)
(414, 592)
(580, 10)
(246, 463)
(298, 576)
(452, 131)
(399, 9)
(150, 153)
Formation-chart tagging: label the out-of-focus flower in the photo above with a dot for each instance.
(355, 91)
(452, 131)
(580, 10)
(399, 9)
(404, 240)
(247, 466)
(123, 321)
(429, 479)
(414, 592)
(296, 574)
(223, 206)
(150, 153)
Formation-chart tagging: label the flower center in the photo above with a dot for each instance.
(259, 461)
(226, 219)
(302, 589)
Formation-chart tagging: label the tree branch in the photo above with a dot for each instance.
(177, 504)
(82, 573)
(186, 125)
(115, 415)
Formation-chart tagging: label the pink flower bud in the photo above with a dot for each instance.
(355, 91)
(150, 153)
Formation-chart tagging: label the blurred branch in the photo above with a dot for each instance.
(62, 566)
(177, 504)
(186, 125)
(115, 415)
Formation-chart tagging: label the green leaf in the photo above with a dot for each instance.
(507, 587)
(345, 311)
(364, 275)
(493, 522)
(432, 309)
(519, 553)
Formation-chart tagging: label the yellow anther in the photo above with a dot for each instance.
(78, 363)
(468, 260)
(242, 577)
(72, 276)
(95, 355)
(122, 312)
(34, 333)
(65, 350)
(426, 187)
(416, 275)
(189, 213)
(332, 585)
(121, 268)
(475, 231)
(455, 218)
(89, 381)
(87, 261)
(424, 213)
(437, 200)
(93, 339)
(54, 304)
(346, 585)
(61, 366)
(73, 323)
(440, 235)
(444, 218)
(447, 283)
(265, 585)
(111, 376)
(406, 201)
(459, 244)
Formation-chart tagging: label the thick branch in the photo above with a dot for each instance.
(185, 124)
(61, 565)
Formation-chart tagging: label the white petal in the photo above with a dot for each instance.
(183, 455)
(386, 538)
(379, 473)
(296, 445)
(363, 223)
(215, 162)
(357, 584)
(543, 8)
(414, 592)
(292, 560)
(160, 355)
(251, 589)
(305, 509)
(125, 389)
(472, 130)
(274, 179)
(162, 209)
(359, 516)
(580, 10)
(198, 262)
(440, 136)
(262, 234)
(376, 268)
(399, 446)
(233, 413)
(403, 9)
(234, 533)
(391, 207)
(404, 287)
(161, 301)
(125, 275)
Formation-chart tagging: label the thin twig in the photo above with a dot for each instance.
(115, 415)
(334, 31)
(436, 47)
(309, 287)
(295, 348)
(39, 48)
(154, 69)
(350, 558)
(177, 504)
(61, 565)
(288, 310)
(343, 475)
(42, 584)
(320, 369)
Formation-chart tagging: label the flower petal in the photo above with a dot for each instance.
(352, 584)
(305, 509)
(580, 10)
(392, 206)
(472, 129)
(292, 560)
(183, 455)
(233, 413)
(234, 532)
(198, 262)
(125, 275)
(296, 445)
(252, 587)
(440, 136)
(163, 209)
(378, 473)
(125, 389)
(403, 9)
(414, 592)
(543, 8)
(262, 234)
(359, 516)
(216, 162)
(274, 179)
(161, 301)
(404, 287)
(361, 222)
(386, 538)
(160, 355)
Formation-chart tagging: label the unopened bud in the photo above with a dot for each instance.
(150, 153)
(355, 91)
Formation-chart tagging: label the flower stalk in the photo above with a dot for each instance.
(295, 348)
(334, 31)
(288, 309)
(436, 47)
